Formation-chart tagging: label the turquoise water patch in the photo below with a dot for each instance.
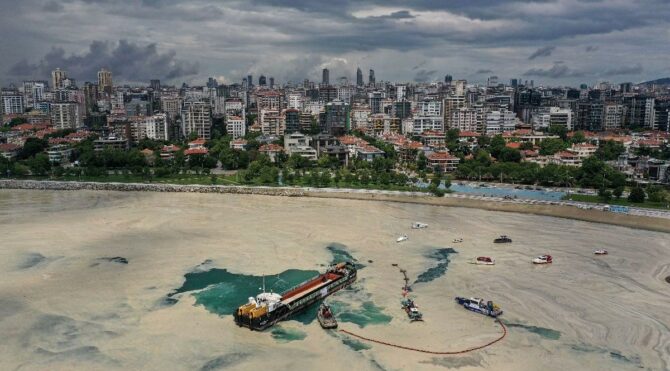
(366, 314)
(340, 254)
(546, 333)
(285, 335)
(611, 353)
(223, 292)
(355, 344)
(442, 258)
(620, 357)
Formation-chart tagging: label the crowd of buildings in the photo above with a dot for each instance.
(314, 118)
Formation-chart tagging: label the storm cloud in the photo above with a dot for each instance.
(542, 52)
(131, 62)
(190, 40)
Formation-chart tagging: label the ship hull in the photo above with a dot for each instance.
(285, 312)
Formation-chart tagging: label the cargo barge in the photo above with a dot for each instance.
(268, 308)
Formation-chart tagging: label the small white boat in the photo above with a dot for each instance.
(417, 225)
(402, 238)
(457, 240)
(600, 252)
(485, 260)
(543, 259)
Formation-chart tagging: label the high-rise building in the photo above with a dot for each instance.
(155, 84)
(272, 82)
(371, 77)
(375, 101)
(155, 127)
(262, 80)
(196, 117)
(105, 81)
(235, 126)
(57, 78)
(359, 77)
(250, 81)
(336, 120)
(65, 115)
(291, 120)
(12, 103)
(325, 77)
(448, 79)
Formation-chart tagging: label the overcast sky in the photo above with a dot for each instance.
(550, 41)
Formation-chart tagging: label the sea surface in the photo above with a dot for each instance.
(113, 280)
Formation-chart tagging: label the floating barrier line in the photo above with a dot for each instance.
(430, 351)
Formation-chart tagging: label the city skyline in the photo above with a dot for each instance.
(563, 42)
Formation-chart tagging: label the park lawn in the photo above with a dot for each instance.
(614, 201)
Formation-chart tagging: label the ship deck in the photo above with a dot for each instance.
(309, 287)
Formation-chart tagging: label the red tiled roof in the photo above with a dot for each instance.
(170, 148)
(8, 147)
(514, 145)
(271, 148)
(441, 156)
(196, 151)
(565, 154)
(198, 141)
(466, 134)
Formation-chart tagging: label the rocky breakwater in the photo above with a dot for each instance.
(147, 187)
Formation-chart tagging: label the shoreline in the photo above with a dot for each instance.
(563, 209)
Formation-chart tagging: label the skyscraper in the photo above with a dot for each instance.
(448, 79)
(359, 77)
(325, 80)
(272, 82)
(371, 77)
(105, 81)
(155, 85)
(250, 80)
(262, 81)
(57, 78)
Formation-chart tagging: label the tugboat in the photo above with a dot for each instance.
(268, 308)
(502, 239)
(485, 260)
(412, 310)
(402, 238)
(417, 225)
(478, 305)
(326, 318)
(601, 252)
(543, 259)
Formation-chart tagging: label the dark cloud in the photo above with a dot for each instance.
(557, 71)
(624, 70)
(53, 7)
(542, 52)
(424, 75)
(590, 48)
(128, 62)
(484, 71)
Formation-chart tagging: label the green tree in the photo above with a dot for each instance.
(40, 164)
(609, 150)
(421, 162)
(617, 192)
(636, 195)
(604, 194)
(552, 145)
(31, 147)
(510, 155)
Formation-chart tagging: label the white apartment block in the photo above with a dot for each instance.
(271, 122)
(65, 115)
(424, 123)
(613, 115)
(196, 117)
(498, 122)
(429, 108)
(236, 126)
(156, 127)
(467, 119)
(12, 104)
(171, 105)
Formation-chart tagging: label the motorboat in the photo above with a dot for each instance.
(402, 238)
(417, 225)
(457, 240)
(502, 239)
(480, 306)
(485, 260)
(543, 259)
(600, 252)
(412, 310)
(326, 318)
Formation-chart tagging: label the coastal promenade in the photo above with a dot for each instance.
(657, 220)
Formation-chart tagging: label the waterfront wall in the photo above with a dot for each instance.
(638, 218)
